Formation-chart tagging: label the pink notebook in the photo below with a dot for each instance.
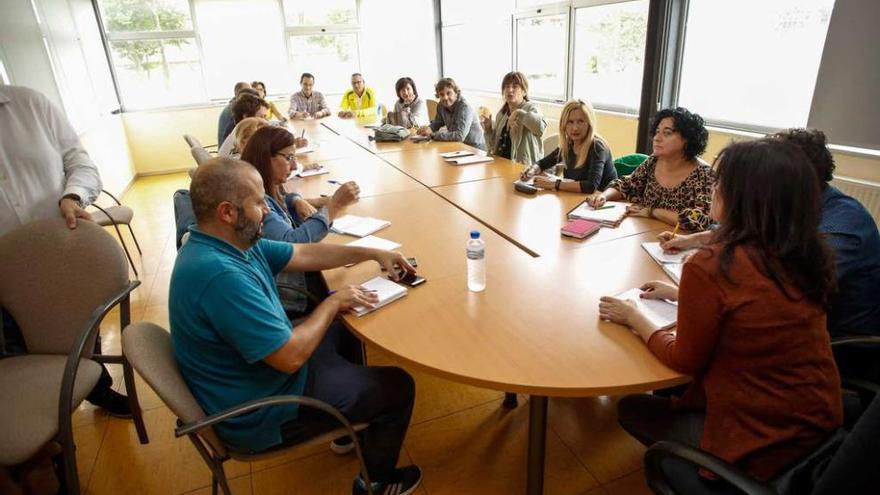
(580, 228)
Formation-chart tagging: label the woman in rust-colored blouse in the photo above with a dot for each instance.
(751, 322)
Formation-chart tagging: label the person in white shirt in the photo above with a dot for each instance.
(45, 172)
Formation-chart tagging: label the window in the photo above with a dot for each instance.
(154, 51)
(541, 54)
(323, 39)
(753, 62)
(242, 40)
(609, 51)
(477, 42)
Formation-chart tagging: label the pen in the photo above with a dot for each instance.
(303, 133)
(604, 207)
(336, 182)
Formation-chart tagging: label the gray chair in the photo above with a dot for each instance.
(58, 284)
(551, 143)
(148, 347)
(117, 215)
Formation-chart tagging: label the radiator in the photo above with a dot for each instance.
(868, 193)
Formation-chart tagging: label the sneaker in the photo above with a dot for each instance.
(342, 445)
(404, 482)
(114, 403)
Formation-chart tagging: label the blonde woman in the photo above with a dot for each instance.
(519, 125)
(589, 166)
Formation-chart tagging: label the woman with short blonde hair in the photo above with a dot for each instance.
(588, 164)
(245, 129)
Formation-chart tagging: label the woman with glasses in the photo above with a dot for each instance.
(585, 158)
(519, 125)
(672, 185)
(291, 218)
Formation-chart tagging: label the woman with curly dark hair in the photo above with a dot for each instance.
(672, 185)
(751, 323)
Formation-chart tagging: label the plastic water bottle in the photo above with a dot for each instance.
(476, 262)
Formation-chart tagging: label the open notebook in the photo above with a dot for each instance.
(456, 154)
(662, 257)
(662, 314)
(319, 170)
(358, 226)
(609, 215)
(387, 291)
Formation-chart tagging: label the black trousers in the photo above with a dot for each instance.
(13, 345)
(382, 396)
(651, 419)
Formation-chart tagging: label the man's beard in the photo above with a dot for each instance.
(248, 230)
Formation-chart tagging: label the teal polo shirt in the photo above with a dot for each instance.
(225, 319)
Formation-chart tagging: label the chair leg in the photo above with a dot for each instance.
(70, 481)
(136, 413)
(138, 246)
(213, 485)
(510, 401)
(218, 474)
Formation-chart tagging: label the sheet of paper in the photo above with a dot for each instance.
(386, 290)
(457, 154)
(468, 160)
(372, 241)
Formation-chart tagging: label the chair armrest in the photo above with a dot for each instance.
(296, 288)
(860, 341)
(863, 341)
(65, 408)
(112, 196)
(661, 451)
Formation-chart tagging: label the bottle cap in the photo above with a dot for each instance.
(475, 234)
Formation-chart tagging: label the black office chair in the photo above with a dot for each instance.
(847, 462)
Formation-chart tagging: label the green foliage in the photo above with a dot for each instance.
(144, 16)
(335, 17)
(621, 42)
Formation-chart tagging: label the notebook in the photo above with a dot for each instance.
(358, 226)
(662, 257)
(580, 229)
(313, 171)
(468, 160)
(387, 291)
(457, 154)
(661, 313)
(673, 270)
(309, 148)
(609, 215)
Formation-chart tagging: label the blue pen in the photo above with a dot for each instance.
(331, 181)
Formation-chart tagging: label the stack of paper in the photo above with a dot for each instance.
(468, 160)
(386, 290)
(358, 226)
(661, 313)
(609, 215)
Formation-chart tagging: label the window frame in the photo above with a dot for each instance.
(555, 9)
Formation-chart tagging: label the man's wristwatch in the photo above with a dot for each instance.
(74, 197)
(558, 183)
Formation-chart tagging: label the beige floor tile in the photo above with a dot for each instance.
(483, 450)
(88, 439)
(239, 486)
(166, 465)
(631, 484)
(321, 474)
(435, 397)
(589, 428)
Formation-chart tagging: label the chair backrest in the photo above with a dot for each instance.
(853, 469)
(52, 278)
(192, 141)
(551, 143)
(627, 163)
(147, 347)
(432, 108)
(199, 154)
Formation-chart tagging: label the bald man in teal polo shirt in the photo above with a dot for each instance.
(234, 343)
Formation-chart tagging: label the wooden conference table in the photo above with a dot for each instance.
(535, 329)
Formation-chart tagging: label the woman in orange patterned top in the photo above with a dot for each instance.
(751, 323)
(673, 185)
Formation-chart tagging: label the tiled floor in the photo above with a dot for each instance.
(464, 440)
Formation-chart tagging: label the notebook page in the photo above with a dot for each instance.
(386, 290)
(662, 314)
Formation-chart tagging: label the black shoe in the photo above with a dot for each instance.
(114, 403)
(404, 482)
(342, 445)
